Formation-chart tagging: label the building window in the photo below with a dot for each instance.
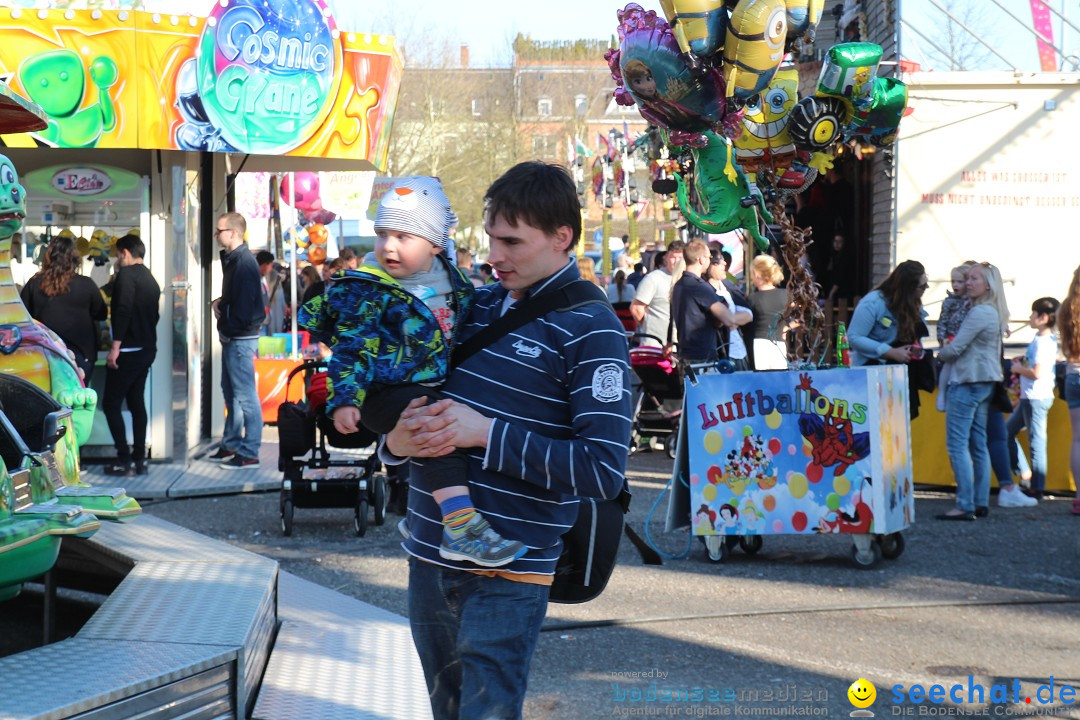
(540, 144)
(543, 107)
(477, 107)
(581, 105)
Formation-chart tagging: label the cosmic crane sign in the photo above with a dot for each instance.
(267, 71)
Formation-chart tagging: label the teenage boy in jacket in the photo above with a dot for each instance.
(240, 313)
(135, 298)
(546, 414)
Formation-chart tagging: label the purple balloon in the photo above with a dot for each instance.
(650, 71)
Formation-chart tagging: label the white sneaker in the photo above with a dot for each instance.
(1014, 498)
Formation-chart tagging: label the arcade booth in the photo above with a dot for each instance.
(151, 118)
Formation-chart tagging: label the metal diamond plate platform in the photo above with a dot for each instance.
(338, 658)
(150, 539)
(200, 477)
(107, 672)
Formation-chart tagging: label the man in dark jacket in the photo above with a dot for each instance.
(135, 298)
(240, 314)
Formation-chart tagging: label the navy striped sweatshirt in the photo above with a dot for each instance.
(558, 389)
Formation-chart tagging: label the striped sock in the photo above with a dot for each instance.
(458, 512)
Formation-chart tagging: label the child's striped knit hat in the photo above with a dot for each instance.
(417, 205)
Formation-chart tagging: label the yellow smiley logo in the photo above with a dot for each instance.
(862, 693)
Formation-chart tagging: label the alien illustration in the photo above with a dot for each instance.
(56, 80)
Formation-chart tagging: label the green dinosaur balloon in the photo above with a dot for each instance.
(56, 80)
(723, 193)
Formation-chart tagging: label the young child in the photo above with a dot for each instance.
(1036, 371)
(954, 308)
(391, 328)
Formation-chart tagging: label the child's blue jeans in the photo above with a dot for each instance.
(1031, 414)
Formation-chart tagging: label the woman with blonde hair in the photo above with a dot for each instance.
(1069, 334)
(587, 268)
(975, 354)
(768, 303)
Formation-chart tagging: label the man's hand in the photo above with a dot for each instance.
(471, 429)
(346, 419)
(422, 430)
(216, 307)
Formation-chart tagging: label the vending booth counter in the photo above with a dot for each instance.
(799, 452)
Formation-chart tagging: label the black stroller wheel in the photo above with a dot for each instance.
(360, 519)
(378, 499)
(286, 517)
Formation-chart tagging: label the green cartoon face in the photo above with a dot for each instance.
(55, 80)
(12, 199)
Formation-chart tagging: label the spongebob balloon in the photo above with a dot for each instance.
(763, 139)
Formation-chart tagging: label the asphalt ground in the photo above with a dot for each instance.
(783, 633)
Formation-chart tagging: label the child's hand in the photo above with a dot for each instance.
(346, 419)
(1016, 367)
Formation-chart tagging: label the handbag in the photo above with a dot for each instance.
(1000, 399)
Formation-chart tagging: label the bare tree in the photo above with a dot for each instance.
(957, 45)
(456, 123)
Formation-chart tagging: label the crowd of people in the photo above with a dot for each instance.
(497, 450)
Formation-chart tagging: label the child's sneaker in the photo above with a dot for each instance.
(478, 543)
(403, 528)
(1014, 498)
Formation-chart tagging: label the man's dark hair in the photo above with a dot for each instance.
(727, 257)
(639, 267)
(486, 269)
(346, 254)
(658, 259)
(537, 194)
(133, 245)
(264, 257)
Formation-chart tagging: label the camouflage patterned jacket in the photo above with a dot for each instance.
(379, 332)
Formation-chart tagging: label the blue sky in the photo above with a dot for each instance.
(488, 26)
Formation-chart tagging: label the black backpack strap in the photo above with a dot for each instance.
(568, 297)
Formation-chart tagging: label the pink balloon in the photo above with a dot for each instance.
(778, 526)
(306, 189)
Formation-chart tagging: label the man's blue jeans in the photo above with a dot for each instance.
(966, 406)
(1031, 414)
(475, 636)
(243, 424)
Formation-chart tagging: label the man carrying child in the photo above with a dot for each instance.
(545, 411)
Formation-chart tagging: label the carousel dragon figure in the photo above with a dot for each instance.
(44, 412)
(27, 348)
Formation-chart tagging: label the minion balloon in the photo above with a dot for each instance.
(754, 47)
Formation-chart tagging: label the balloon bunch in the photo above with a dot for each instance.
(713, 77)
(310, 235)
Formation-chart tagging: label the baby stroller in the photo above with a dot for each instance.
(659, 402)
(312, 476)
